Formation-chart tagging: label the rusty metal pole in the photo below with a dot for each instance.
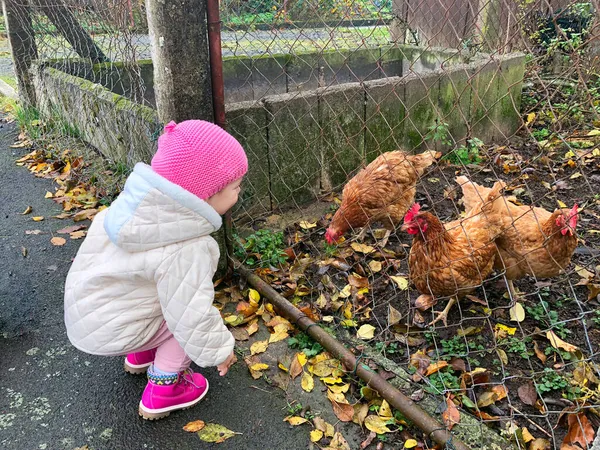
(397, 399)
(218, 100)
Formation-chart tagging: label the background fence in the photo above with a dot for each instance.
(316, 90)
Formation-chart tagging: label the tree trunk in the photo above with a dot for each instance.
(73, 32)
(22, 44)
(182, 83)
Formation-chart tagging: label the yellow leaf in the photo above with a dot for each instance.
(37, 218)
(58, 241)
(559, 343)
(337, 389)
(213, 432)
(530, 118)
(502, 355)
(376, 424)
(575, 175)
(345, 293)
(253, 295)
(308, 383)
(258, 347)
(325, 368)
(401, 282)
(385, 411)
(259, 366)
(348, 310)
(305, 225)
(27, 210)
(252, 328)
(49, 195)
(302, 358)
(332, 380)
(362, 248)
(410, 443)
(348, 323)
(375, 266)
(295, 420)
(280, 333)
(517, 313)
(509, 330)
(570, 154)
(366, 332)
(561, 204)
(194, 427)
(594, 132)
(316, 435)
(234, 319)
(527, 437)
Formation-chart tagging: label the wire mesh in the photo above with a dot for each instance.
(504, 91)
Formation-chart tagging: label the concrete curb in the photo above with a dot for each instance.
(8, 91)
(596, 444)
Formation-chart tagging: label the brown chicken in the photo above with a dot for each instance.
(532, 241)
(453, 259)
(381, 192)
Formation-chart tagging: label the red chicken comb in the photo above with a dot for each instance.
(573, 217)
(412, 212)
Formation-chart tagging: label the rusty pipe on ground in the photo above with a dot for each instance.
(397, 399)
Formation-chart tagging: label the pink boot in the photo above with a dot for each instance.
(136, 363)
(166, 393)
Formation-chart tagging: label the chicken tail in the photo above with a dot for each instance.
(473, 193)
(423, 160)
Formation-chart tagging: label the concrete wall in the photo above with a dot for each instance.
(301, 144)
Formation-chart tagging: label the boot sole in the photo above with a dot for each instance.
(156, 414)
(135, 369)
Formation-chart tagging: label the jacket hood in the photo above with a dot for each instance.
(152, 212)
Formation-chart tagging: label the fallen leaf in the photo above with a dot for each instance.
(425, 302)
(338, 442)
(71, 229)
(253, 295)
(375, 266)
(343, 411)
(27, 210)
(410, 443)
(295, 367)
(530, 118)
(316, 435)
(502, 355)
(436, 367)
(559, 343)
(194, 427)
(580, 430)
(280, 333)
(385, 411)
(542, 357)
(239, 334)
(308, 383)
(78, 234)
(24, 252)
(366, 332)
(295, 420)
(213, 432)
(504, 328)
(394, 316)
(306, 225)
(58, 241)
(362, 248)
(528, 394)
(361, 410)
(376, 424)
(48, 194)
(252, 328)
(259, 347)
(539, 444)
(401, 282)
(33, 231)
(364, 444)
(37, 218)
(450, 416)
(527, 437)
(517, 313)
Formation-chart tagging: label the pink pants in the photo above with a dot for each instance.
(170, 357)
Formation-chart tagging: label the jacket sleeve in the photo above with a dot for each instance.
(186, 293)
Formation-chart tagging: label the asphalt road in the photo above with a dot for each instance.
(53, 396)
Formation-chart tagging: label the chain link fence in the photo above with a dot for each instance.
(502, 91)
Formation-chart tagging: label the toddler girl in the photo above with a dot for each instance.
(141, 283)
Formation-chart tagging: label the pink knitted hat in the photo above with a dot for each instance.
(199, 156)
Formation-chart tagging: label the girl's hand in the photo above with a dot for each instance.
(225, 365)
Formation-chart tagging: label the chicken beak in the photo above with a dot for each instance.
(405, 227)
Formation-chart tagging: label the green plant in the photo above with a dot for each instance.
(466, 154)
(442, 381)
(294, 408)
(306, 344)
(566, 356)
(596, 318)
(541, 134)
(458, 347)
(517, 346)
(390, 348)
(551, 381)
(263, 248)
(439, 133)
(542, 313)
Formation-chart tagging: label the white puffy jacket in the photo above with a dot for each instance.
(148, 258)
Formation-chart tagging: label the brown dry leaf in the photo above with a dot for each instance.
(540, 354)
(362, 248)
(559, 343)
(239, 334)
(539, 444)
(358, 281)
(501, 391)
(375, 266)
(295, 367)
(194, 427)
(58, 241)
(451, 415)
(476, 300)
(528, 394)
(361, 410)
(87, 214)
(436, 367)
(27, 210)
(580, 431)
(338, 442)
(78, 234)
(421, 362)
(245, 308)
(425, 302)
(368, 441)
(33, 231)
(394, 316)
(343, 411)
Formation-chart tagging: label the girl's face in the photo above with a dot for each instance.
(223, 200)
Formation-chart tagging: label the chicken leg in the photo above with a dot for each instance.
(443, 316)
